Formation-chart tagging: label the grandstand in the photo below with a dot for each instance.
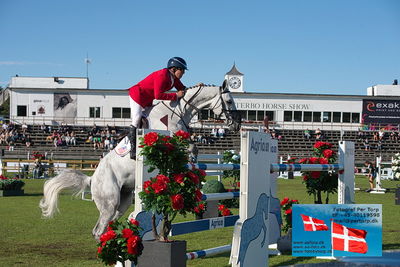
(293, 144)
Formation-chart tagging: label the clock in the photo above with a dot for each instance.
(234, 82)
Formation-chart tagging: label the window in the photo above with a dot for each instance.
(346, 117)
(355, 117)
(327, 116)
(270, 114)
(260, 115)
(287, 116)
(94, 112)
(297, 115)
(316, 116)
(203, 115)
(243, 114)
(252, 115)
(307, 116)
(336, 116)
(124, 113)
(21, 111)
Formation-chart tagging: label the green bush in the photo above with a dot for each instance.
(213, 186)
(10, 184)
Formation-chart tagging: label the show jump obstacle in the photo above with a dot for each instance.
(258, 175)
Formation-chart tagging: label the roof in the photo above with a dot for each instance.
(234, 71)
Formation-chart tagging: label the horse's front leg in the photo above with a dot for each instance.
(264, 228)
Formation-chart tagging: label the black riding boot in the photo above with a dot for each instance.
(132, 139)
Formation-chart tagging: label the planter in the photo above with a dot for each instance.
(284, 243)
(166, 254)
(212, 209)
(8, 193)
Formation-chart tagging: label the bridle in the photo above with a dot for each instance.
(219, 103)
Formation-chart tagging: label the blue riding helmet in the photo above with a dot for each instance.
(177, 62)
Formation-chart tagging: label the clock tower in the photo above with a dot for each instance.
(235, 79)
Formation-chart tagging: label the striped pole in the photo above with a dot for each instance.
(220, 196)
(305, 167)
(208, 252)
(221, 167)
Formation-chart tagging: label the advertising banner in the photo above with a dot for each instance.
(352, 230)
(381, 111)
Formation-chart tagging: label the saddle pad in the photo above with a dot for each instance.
(123, 147)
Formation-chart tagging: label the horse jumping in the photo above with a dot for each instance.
(113, 182)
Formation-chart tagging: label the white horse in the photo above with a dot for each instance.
(113, 181)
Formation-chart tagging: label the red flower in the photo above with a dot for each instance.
(305, 160)
(162, 178)
(318, 144)
(166, 138)
(289, 211)
(314, 160)
(328, 153)
(132, 244)
(182, 134)
(146, 185)
(284, 201)
(99, 250)
(193, 176)
(323, 161)
(315, 175)
(159, 187)
(305, 177)
(198, 195)
(179, 178)
(127, 233)
(150, 138)
(221, 207)
(226, 212)
(202, 172)
(201, 206)
(134, 222)
(169, 147)
(295, 201)
(108, 236)
(177, 202)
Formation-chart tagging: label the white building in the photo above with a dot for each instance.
(64, 99)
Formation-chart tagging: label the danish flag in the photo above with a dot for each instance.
(313, 224)
(348, 239)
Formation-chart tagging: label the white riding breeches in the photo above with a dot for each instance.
(137, 112)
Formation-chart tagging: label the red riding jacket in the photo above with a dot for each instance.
(153, 87)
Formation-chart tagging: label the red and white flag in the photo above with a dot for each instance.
(313, 224)
(348, 239)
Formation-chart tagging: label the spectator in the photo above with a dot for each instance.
(214, 132)
(307, 134)
(72, 138)
(24, 127)
(381, 134)
(361, 135)
(266, 124)
(221, 132)
(28, 141)
(371, 174)
(375, 136)
(366, 144)
(318, 134)
(37, 169)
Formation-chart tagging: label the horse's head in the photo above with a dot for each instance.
(228, 108)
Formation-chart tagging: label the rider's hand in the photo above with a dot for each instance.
(180, 94)
(200, 84)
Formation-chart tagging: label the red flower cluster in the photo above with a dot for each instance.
(159, 184)
(223, 211)
(2, 177)
(121, 242)
(182, 134)
(286, 205)
(177, 202)
(200, 209)
(150, 138)
(320, 144)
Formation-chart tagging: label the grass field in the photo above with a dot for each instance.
(28, 240)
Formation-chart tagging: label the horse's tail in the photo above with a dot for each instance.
(72, 179)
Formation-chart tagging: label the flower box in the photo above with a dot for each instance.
(166, 254)
(9, 192)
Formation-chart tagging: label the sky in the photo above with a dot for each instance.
(286, 46)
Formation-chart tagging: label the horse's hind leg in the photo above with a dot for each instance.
(107, 207)
(125, 202)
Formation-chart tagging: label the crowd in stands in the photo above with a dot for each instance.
(102, 138)
(378, 138)
(208, 139)
(10, 134)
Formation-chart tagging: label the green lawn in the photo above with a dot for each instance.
(28, 240)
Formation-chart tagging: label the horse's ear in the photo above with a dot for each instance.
(224, 86)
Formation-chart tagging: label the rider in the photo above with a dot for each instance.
(153, 87)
